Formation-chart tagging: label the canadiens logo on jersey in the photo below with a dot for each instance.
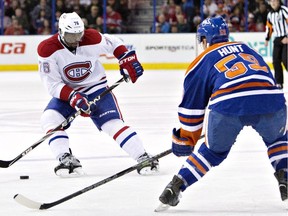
(78, 71)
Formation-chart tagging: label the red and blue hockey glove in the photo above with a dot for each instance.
(80, 101)
(130, 66)
(181, 146)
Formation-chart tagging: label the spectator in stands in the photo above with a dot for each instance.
(22, 19)
(10, 8)
(188, 9)
(251, 23)
(196, 20)
(252, 5)
(27, 6)
(14, 28)
(178, 11)
(46, 29)
(85, 21)
(260, 17)
(170, 15)
(79, 9)
(92, 16)
(7, 21)
(39, 22)
(57, 17)
(85, 2)
(36, 11)
(228, 6)
(97, 3)
(162, 26)
(236, 19)
(178, 2)
(84, 5)
(169, 7)
(209, 8)
(221, 12)
(182, 25)
(60, 6)
(174, 29)
(124, 11)
(113, 21)
(164, 11)
(114, 4)
(240, 4)
(99, 24)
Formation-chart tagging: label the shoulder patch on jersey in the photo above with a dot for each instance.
(91, 36)
(47, 47)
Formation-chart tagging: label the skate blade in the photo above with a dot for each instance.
(64, 173)
(285, 204)
(79, 171)
(162, 207)
(146, 171)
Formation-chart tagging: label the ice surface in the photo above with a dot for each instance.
(242, 185)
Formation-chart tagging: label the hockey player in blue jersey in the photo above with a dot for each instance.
(237, 86)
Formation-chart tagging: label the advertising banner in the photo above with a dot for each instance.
(154, 51)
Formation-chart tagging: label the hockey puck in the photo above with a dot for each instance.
(24, 177)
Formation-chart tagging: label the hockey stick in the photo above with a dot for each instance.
(41, 206)
(5, 164)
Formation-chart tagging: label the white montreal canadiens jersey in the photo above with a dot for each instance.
(63, 71)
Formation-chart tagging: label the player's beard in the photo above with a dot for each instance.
(72, 45)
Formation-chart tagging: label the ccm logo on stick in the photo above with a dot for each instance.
(12, 48)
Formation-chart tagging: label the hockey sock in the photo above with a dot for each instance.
(126, 137)
(59, 143)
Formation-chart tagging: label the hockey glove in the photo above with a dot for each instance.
(80, 101)
(181, 146)
(130, 67)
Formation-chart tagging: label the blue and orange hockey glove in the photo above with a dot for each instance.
(181, 146)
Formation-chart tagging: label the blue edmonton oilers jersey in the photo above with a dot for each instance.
(230, 78)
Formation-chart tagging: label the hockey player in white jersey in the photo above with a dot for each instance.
(73, 75)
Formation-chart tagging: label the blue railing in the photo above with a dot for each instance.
(2, 17)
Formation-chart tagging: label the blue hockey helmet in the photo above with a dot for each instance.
(214, 29)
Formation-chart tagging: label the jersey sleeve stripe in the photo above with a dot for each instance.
(192, 128)
(191, 120)
(186, 111)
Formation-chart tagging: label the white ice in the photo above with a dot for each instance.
(242, 185)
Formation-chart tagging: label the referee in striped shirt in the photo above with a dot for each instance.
(277, 22)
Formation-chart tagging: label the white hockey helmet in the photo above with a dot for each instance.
(71, 28)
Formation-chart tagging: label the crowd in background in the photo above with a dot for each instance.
(185, 16)
(34, 16)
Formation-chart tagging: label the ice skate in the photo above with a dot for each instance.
(147, 168)
(171, 194)
(69, 166)
(283, 184)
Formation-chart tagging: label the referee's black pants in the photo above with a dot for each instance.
(279, 56)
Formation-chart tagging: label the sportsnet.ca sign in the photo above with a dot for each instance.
(19, 52)
(154, 51)
(170, 48)
(12, 48)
